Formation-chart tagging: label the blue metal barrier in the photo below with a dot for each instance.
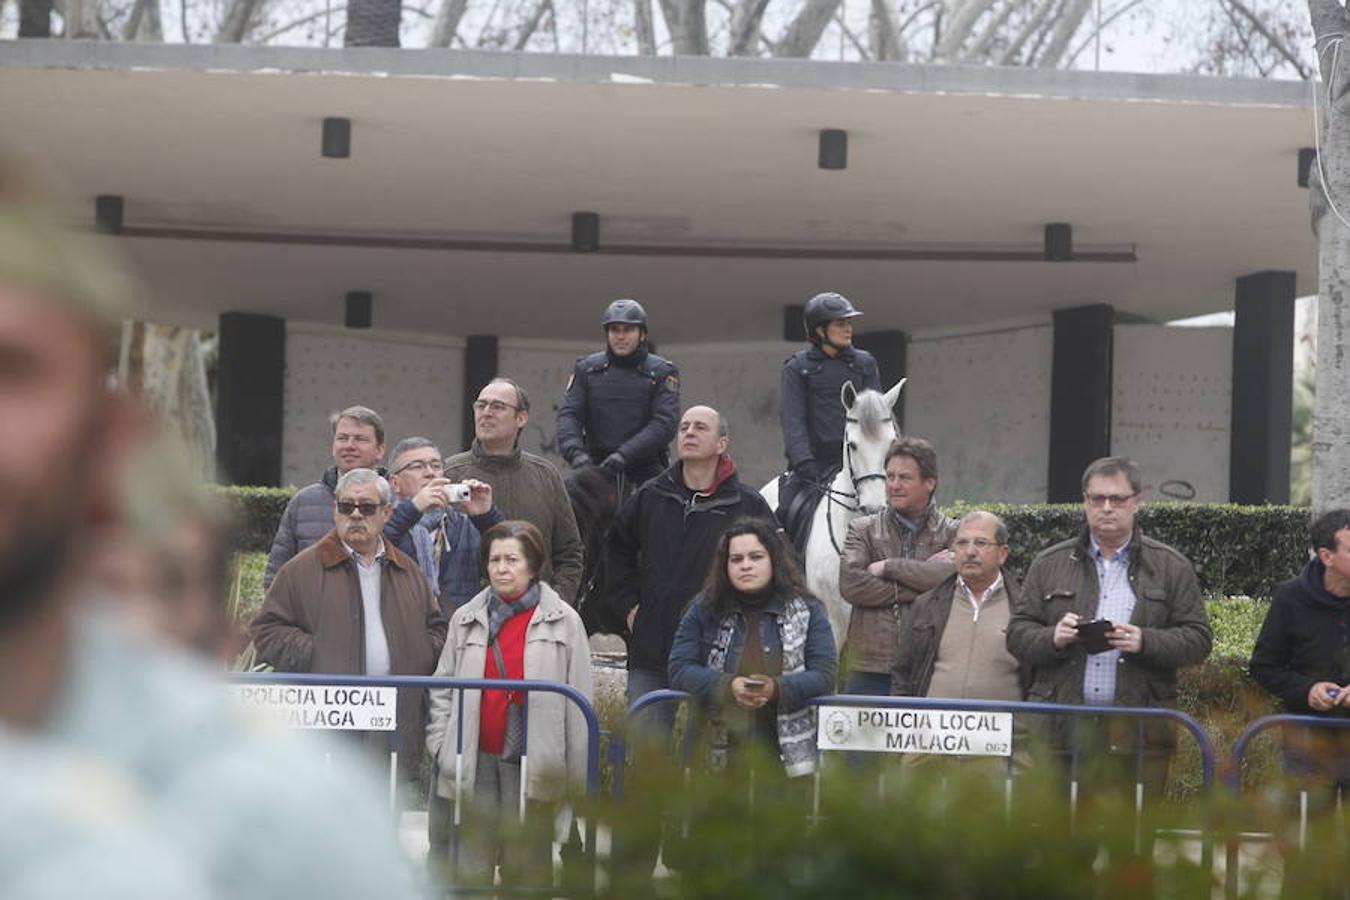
(460, 685)
(1206, 747)
(1234, 779)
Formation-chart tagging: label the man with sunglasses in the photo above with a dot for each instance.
(443, 536)
(354, 604)
(1147, 591)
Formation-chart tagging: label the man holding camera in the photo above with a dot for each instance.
(1107, 619)
(427, 523)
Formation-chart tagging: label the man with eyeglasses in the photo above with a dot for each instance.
(525, 486)
(354, 604)
(953, 638)
(1147, 591)
(358, 442)
(428, 527)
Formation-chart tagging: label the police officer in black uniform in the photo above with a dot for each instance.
(809, 406)
(622, 405)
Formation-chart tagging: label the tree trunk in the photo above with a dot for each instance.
(82, 19)
(143, 23)
(883, 34)
(372, 23)
(745, 22)
(1070, 20)
(688, 26)
(803, 33)
(238, 20)
(35, 18)
(1331, 404)
(644, 27)
(447, 22)
(166, 367)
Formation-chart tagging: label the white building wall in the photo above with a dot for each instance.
(415, 384)
(1170, 410)
(984, 402)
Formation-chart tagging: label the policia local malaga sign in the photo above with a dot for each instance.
(888, 730)
(323, 706)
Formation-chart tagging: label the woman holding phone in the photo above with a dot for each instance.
(753, 648)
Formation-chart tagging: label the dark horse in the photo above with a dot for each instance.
(594, 494)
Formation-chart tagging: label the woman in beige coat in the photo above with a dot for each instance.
(517, 628)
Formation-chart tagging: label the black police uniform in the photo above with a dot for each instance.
(629, 404)
(809, 406)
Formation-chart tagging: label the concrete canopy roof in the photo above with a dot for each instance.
(1195, 175)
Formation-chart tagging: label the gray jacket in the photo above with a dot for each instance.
(308, 517)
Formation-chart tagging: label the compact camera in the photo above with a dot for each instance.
(457, 493)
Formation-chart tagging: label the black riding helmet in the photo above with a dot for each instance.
(626, 312)
(822, 309)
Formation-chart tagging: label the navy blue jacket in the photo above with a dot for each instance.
(698, 633)
(626, 404)
(1304, 639)
(459, 577)
(809, 407)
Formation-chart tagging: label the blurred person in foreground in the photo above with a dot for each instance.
(125, 770)
(516, 628)
(753, 647)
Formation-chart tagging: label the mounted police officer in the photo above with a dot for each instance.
(622, 404)
(809, 407)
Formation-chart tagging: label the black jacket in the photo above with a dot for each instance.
(626, 404)
(810, 410)
(660, 548)
(1305, 639)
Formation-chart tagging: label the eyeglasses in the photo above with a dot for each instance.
(978, 543)
(496, 406)
(368, 508)
(1097, 501)
(422, 465)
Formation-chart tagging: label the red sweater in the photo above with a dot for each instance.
(492, 714)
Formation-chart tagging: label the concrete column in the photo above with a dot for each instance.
(1263, 388)
(480, 367)
(1080, 396)
(250, 386)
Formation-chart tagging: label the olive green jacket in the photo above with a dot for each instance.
(1168, 608)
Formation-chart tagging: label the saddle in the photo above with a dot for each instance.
(797, 504)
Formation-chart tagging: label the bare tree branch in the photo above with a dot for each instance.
(1247, 47)
(960, 24)
(238, 18)
(1100, 30)
(1273, 39)
(447, 21)
(528, 29)
(1033, 27)
(979, 51)
(803, 33)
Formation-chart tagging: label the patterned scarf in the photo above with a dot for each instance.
(424, 535)
(796, 730)
(498, 610)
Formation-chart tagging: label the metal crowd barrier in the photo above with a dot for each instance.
(1239, 752)
(460, 685)
(618, 749)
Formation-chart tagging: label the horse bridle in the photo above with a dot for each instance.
(833, 496)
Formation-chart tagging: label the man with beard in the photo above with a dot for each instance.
(124, 770)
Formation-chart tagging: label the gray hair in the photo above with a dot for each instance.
(363, 414)
(359, 477)
(722, 430)
(979, 515)
(407, 444)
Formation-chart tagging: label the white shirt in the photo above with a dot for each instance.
(376, 643)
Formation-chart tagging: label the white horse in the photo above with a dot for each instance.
(859, 489)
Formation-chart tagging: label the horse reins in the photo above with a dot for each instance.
(832, 495)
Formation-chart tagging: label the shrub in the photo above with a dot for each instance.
(1236, 550)
(255, 512)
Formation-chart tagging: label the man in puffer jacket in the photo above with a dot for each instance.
(358, 443)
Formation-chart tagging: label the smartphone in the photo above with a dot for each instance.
(756, 683)
(1093, 635)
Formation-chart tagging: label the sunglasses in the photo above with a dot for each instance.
(368, 508)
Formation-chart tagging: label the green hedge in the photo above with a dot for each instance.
(1236, 550)
(254, 513)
